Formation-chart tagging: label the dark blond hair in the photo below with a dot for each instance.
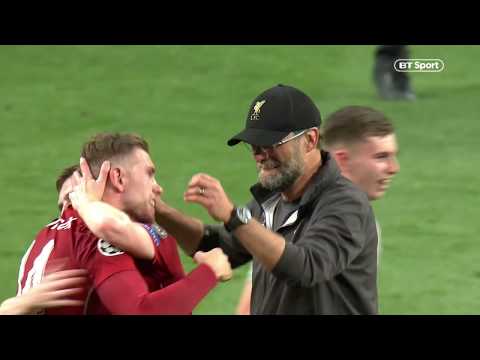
(106, 146)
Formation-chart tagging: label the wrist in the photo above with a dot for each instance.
(84, 205)
(230, 213)
(238, 216)
(13, 306)
(231, 216)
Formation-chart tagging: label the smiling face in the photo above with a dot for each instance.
(279, 167)
(362, 140)
(371, 164)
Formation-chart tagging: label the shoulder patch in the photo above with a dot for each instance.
(156, 232)
(108, 249)
(160, 231)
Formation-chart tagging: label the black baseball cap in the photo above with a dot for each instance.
(275, 113)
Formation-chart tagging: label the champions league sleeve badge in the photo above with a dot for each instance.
(156, 232)
(108, 249)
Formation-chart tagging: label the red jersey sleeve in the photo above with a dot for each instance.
(127, 293)
(166, 251)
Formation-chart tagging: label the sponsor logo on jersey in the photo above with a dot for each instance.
(108, 249)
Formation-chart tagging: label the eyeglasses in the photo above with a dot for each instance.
(259, 149)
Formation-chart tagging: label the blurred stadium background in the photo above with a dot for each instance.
(188, 100)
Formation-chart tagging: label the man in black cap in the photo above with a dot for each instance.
(310, 232)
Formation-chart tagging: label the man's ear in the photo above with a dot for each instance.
(342, 157)
(117, 178)
(312, 140)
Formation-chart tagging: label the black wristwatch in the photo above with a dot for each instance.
(239, 216)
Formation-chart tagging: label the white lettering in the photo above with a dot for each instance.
(404, 65)
(419, 65)
(61, 224)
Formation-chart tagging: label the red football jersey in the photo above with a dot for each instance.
(68, 239)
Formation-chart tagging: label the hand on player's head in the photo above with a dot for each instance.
(87, 188)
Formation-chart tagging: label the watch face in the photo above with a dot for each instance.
(244, 214)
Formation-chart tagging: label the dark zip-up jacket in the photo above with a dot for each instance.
(329, 265)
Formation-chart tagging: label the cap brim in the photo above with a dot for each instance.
(258, 137)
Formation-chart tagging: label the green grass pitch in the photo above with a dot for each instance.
(188, 100)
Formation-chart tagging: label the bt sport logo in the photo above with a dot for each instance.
(419, 65)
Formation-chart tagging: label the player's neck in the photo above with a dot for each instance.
(113, 198)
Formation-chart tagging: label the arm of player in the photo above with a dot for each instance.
(127, 293)
(187, 230)
(243, 306)
(117, 228)
(106, 221)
